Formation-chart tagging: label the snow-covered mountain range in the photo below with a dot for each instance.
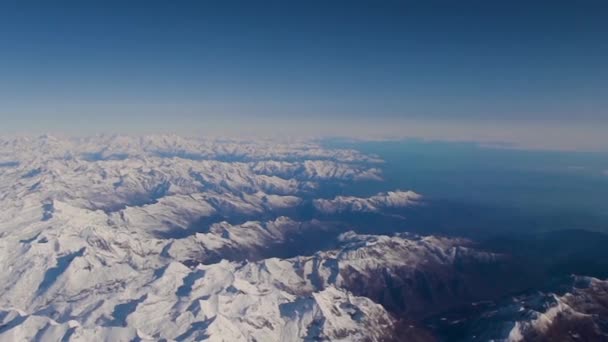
(105, 238)
(117, 238)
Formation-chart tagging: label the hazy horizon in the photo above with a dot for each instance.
(528, 75)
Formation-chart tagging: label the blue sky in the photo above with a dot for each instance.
(439, 69)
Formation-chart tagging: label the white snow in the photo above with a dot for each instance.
(99, 241)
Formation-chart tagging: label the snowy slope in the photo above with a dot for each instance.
(93, 280)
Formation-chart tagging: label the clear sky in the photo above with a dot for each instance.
(531, 72)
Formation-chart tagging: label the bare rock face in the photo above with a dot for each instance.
(413, 275)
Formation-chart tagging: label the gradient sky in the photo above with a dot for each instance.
(485, 70)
